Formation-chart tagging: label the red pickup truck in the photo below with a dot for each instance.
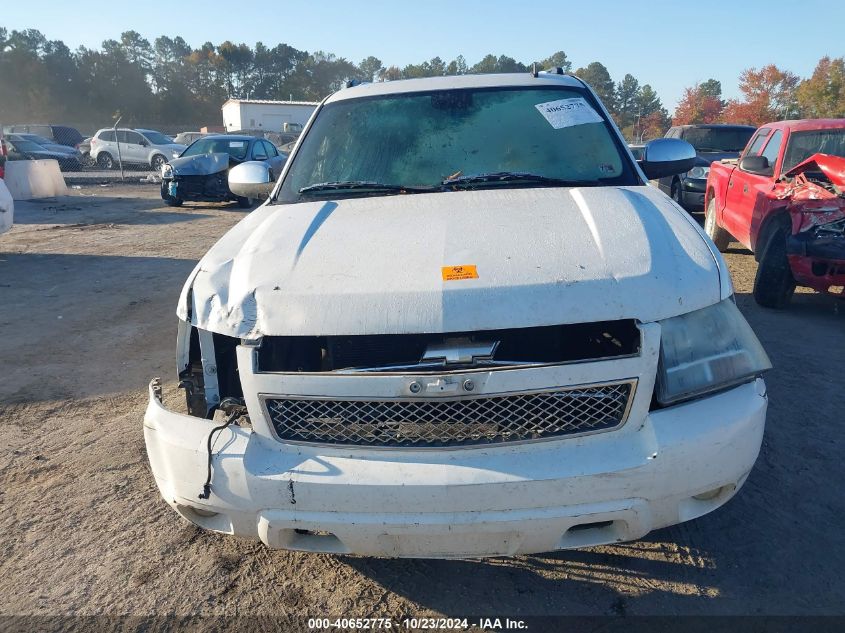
(785, 200)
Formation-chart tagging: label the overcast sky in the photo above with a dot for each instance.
(669, 45)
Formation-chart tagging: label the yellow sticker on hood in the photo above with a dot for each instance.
(453, 273)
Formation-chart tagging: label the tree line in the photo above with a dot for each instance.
(167, 80)
(768, 94)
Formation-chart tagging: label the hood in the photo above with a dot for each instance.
(705, 158)
(833, 167)
(200, 165)
(381, 265)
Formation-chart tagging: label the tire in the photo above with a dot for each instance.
(158, 162)
(677, 194)
(721, 238)
(244, 203)
(105, 160)
(774, 284)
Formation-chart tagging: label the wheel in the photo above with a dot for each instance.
(677, 194)
(774, 283)
(158, 162)
(244, 203)
(105, 160)
(721, 238)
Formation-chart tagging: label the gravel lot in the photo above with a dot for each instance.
(88, 287)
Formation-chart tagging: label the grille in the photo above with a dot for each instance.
(439, 423)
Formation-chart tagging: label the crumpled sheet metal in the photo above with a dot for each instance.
(200, 165)
(811, 204)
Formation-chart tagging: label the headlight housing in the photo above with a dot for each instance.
(166, 171)
(698, 172)
(705, 351)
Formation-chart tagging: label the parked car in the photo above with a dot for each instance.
(784, 201)
(52, 147)
(637, 150)
(278, 139)
(186, 138)
(137, 147)
(85, 153)
(202, 170)
(712, 142)
(22, 149)
(462, 325)
(59, 134)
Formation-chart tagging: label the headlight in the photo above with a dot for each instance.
(166, 171)
(698, 172)
(707, 350)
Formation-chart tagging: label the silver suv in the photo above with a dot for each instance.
(137, 147)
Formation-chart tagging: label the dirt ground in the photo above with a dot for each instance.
(88, 288)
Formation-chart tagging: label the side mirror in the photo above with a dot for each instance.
(756, 165)
(251, 180)
(666, 157)
(143, 143)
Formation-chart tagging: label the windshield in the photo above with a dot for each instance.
(36, 139)
(422, 140)
(802, 145)
(715, 139)
(26, 146)
(235, 148)
(157, 138)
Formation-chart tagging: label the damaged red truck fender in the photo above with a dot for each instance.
(785, 200)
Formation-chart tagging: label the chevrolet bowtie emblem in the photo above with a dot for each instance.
(460, 351)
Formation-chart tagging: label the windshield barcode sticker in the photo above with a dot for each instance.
(568, 112)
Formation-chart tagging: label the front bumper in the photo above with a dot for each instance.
(692, 192)
(480, 501)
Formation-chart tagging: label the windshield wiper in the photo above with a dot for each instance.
(513, 176)
(360, 185)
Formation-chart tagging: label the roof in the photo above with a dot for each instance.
(271, 102)
(716, 125)
(798, 125)
(231, 137)
(455, 81)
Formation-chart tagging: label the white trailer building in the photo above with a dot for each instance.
(261, 114)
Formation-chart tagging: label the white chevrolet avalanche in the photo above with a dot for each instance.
(461, 325)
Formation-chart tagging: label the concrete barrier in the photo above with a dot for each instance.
(28, 179)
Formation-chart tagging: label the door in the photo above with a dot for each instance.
(743, 191)
(275, 159)
(131, 148)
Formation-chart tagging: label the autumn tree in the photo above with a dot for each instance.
(769, 95)
(823, 94)
(700, 103)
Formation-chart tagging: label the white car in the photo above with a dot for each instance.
(462, 325)
(7, 208)
(137, 147)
